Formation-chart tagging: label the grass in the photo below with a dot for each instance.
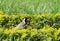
(30, 6)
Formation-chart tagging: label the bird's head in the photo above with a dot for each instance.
(26, 20)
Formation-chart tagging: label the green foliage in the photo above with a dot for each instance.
(30, 6)
(37, 20)
(44, 34)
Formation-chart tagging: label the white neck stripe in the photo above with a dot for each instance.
(23, 20)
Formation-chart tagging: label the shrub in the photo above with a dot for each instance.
(44, 34)
(37, 21)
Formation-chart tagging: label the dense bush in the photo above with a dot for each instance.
(37, 20)
(45, 34)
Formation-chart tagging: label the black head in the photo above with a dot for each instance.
(27, 20)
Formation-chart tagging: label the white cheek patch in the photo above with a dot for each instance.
(23, 20)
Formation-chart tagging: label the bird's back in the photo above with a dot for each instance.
(21, 25)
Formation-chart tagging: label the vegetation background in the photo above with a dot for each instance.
(45, 24)
(30, 6)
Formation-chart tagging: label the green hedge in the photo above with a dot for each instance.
(45, 34)
(37, 20)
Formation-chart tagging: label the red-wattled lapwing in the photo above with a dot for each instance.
(23, 24)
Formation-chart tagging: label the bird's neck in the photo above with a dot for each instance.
(23, 20)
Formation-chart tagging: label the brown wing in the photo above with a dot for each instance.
(21, 25)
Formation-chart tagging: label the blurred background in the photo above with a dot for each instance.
(30, 6)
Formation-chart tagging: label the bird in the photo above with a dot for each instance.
(23, 24)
